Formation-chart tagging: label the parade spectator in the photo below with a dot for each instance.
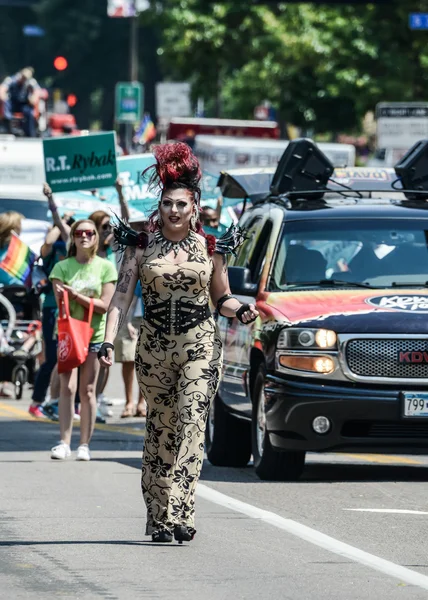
(17, 94)
(105, 233)
(127, 338)
(126, 342)
(10, 223)
(53, 250)
(209, 217)
(84, 275)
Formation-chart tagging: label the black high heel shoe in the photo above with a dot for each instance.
(162, 536)
(182, 533)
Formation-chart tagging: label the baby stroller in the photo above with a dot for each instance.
(20, 336)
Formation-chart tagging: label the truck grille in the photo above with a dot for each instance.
(381, 358)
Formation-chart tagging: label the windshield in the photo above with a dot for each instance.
(384, 253)
(31, 209)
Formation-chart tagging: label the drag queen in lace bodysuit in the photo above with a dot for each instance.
(179, 353)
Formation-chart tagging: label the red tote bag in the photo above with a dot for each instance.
(73, 336)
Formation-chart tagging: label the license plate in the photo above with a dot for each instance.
(415, 404)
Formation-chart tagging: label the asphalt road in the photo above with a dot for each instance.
(354, 528)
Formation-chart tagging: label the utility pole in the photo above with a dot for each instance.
(133, 71)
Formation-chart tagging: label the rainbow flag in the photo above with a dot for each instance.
(147, 131)
(19, 260)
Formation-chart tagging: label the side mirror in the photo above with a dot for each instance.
(240, 282)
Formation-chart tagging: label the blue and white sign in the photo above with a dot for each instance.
(418, 20)
(33, 31)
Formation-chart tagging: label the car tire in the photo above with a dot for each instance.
(227, 438)
(269, 463)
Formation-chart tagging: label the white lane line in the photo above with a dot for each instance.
(399, 511)
(315, 537)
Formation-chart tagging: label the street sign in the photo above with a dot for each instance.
(33, 31)
(80, 162)
(128, 102)
(126, 8)
(173, 100)
(401, 124)
(418, 20)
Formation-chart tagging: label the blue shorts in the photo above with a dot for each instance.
(95, 347)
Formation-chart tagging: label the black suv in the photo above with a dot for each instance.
(338, 359)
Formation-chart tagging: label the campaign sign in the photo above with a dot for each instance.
(80, 162)
(135, 183)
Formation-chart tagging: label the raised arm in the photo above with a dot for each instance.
(122, 299)
(58, 222)
(124, 208)
(222, 298)
(50, 239)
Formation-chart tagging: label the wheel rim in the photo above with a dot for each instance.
(261, 423)
(211, 416)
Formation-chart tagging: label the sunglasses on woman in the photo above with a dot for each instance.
(84, 233)
(106, 227)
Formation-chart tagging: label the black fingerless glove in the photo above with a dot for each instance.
(241, 311)
(102, 352)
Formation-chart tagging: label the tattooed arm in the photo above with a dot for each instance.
(124, 293)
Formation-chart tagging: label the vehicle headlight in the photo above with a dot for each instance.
(294, 338)
(325, 338)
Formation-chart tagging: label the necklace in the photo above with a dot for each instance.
(168, 245)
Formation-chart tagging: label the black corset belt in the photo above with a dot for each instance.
(178, 315)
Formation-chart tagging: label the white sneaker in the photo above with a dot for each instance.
(83, 452)
(105, 411)
(102, 399)
(61, 451)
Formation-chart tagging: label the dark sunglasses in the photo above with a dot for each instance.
(106, 227)
(84, 233)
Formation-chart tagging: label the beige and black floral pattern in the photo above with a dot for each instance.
(178, 375)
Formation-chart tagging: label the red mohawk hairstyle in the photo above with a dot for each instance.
(176, 167)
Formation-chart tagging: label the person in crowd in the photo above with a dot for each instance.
(179, 352)
(209, 217)
(17, 95)
(126, 341)
(84, 275)
(53, 250)
(10, 223)
(127, 337)
(105, 233)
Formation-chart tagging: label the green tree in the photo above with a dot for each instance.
(322, 67)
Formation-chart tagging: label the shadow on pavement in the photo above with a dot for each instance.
(88, 543)
(27, 436)
(314, 473)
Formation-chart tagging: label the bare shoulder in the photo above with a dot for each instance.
(219, 262)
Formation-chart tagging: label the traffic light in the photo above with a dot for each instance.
(60, 63)
(71, 100)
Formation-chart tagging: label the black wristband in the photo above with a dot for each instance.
(102, 352)
(222, 300)
(243, 308)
